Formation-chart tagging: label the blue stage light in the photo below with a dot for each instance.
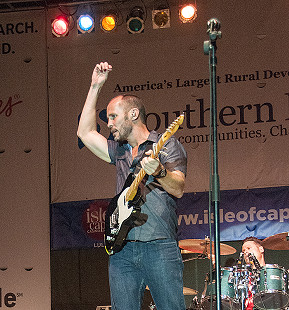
(85, 24)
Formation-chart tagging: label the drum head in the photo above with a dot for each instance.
(274, 300)
(272, 288)
(227, 304)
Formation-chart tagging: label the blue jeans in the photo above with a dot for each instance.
(157, 264)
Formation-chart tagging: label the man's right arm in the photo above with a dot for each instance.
(87, 131)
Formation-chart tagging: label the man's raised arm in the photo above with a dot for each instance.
(87, 132)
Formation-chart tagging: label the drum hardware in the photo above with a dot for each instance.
(254, 261)
(245, 280)
(238, 283)
(195, 305)
(227, 291)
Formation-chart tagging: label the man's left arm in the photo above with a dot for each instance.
(171, 179)
(173, 182)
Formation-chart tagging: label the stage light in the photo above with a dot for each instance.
(85, 24)
(188, 13)
(108, 22)
(60, 26)
(161, 18)
(135, 20)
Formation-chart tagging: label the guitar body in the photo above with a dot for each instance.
(121, 216)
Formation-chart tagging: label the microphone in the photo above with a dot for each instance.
(213, 25)
(254, 260)
(240, 260)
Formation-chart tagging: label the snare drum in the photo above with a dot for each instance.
(227, 292)
(272, 288)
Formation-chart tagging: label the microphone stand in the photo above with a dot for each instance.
(213, 29)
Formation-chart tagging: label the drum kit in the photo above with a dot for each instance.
(265, 286)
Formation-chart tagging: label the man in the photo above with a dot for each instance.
(252, 245)
(151, 256)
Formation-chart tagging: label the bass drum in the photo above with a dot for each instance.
(227, 292)
(272, 288)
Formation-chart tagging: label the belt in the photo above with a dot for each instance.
(145, 241)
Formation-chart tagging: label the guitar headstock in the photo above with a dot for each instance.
(174, 126)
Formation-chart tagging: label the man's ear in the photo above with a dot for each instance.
(134, 114)
(261, 249)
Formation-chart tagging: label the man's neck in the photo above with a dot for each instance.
(138, 136)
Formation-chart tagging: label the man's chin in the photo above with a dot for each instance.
(117, 138)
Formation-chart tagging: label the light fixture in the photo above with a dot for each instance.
(135, 20)
(109, 21)
(188, 13)
(60, 26)
(85, 23)
(161, 18)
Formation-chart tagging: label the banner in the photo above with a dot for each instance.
(168, 70)
(260, 212)
(243, 213)
(78, 224)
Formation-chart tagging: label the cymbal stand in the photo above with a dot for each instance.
(242, 288)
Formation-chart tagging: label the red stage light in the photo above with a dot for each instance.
(60, 26)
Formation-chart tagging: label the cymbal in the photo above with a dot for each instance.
(186, 291)
(203, 246)
(189, 291)
(186, 252)
(277, 242)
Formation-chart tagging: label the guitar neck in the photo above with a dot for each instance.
(134, 185)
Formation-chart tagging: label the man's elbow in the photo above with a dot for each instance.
(179, 194)
(179, 191)
(80, 134)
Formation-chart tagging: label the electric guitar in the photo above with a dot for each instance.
(124, 210)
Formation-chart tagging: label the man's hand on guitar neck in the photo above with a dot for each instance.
(173, 182)
(151, 165)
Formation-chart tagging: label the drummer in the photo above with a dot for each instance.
(253, 245)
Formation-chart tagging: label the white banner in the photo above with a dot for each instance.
(167, 68)
(24, 156)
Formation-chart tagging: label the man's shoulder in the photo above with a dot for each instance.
(117, 149)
